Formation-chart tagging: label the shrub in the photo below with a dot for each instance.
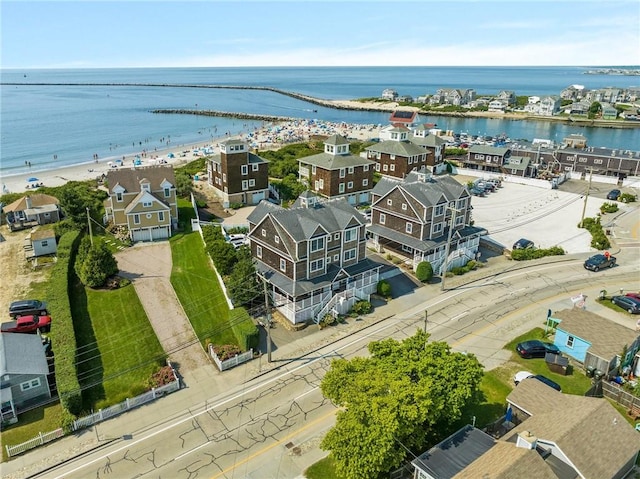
(424, 271)
(226, 351)
(535, 253)
(598, 239)
(361, 307)
(608, 208)
(384, 288)
(627, 198)
(161, 377)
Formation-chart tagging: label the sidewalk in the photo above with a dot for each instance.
(207, 382)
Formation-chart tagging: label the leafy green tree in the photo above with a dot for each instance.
(289, 188)
(595, 110)
(223, 255)
(242, 283)
(94, 263)
(184, 183)
(406, 395)
(424, 271)
(75, 197)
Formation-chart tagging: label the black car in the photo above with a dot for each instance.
(523, 243)
(600, 261)
(613, 195)
(535, 349)
(27, 307)
(628, 303)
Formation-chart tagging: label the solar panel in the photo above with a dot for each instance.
(403, 114)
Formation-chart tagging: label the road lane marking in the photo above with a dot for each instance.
(277, 443)
(459, 316)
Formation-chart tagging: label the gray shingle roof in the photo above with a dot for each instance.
(589, 431)
(488, 150)
(429, 140)
(22, 354)
(130, 178)
(606, 337)
(398, 148)
(430, 192)
(327, 161)
(336, 140)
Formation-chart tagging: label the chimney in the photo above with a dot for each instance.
(28, 202)
(526, 440)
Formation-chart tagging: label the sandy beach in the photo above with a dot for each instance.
(269, 137)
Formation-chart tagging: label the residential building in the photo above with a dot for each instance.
(337, 173)
(418, 216)
(313, 256)
(32, 210)
(575, 141)
(573, 92)
(552, 436)
(519, 166)
(389, 94)
(238, 175)
(23, 373)
(42, 241)
(487, 158)
(143, 200)
(498, 105)
(403, 118)
(594, 341)
(397, 156)
(507, 96)
(433, 144)
(608, 111)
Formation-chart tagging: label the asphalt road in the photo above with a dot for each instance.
(270, 426)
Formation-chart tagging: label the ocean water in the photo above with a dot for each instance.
(57, 125)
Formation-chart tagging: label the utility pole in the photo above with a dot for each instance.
(586, 197)
(446, 251)
(90, 230)
(426, 314)
(268, 325)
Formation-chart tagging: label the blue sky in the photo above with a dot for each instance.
(88, 34)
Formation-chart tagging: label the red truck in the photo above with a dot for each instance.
(27, 324)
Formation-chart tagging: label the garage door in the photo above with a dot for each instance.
(160, 233)
(140, 235)
(257, 197)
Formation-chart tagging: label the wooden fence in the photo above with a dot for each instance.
(616, 393)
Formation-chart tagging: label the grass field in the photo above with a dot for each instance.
(199, 290)
(118, 350)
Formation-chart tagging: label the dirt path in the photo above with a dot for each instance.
(148, 266)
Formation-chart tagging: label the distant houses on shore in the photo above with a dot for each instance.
(573, 100)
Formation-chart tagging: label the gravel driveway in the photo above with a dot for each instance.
(148, 266)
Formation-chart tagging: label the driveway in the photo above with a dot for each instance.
(148, 266)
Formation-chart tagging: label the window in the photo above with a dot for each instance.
(317, 244)
(321, 184)
(118, 196)
(350, 254)
(341, 188)
(404, 207)
(146, 187)
(255, 167)
(392, 167)
(160, 215)
(389, 202)
(459, 220)
(407, 249)
(224, 177)
(245, 185)
(33, 383)
(409, 227)
(276, 238)
(44, 243)
(317, 265)
(336, 258)
(283, 265)
(136, 219)
(365, 182)
(263, 232)
(570, 341)
(336, 237)
(383, 217)
(392, 157)
(377, 166)
(245, 169)
(350, 185)
(439, 210)
(437, 228)
(460, 204)
(259, 251)
(350, 235)
(167, 192)
(341, 172)
(252, 182)
(148, 215)
(365, 168)
(385, 167)
(328, 259)
(313, 169)
(147, 204)
(316, 185)
(351, 170)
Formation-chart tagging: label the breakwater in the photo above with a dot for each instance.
(225, 114)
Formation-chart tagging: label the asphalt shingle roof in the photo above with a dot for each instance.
(130, 178)
(22, 354)
(398, 148)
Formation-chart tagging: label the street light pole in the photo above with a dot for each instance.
(586, 197)
(268, 312)
(448, 246)
(90, 230)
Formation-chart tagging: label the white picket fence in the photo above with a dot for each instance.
(41, 439)
(231, 362)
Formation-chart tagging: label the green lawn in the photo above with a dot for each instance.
(41, 420)
(607, 303)
(323, 469)
(199, 291)
(118, 350)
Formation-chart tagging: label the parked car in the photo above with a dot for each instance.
(629, 304)
(522, 375)
(27, 307)
(535, 349)
(523, 243)
(600, 261)
(633, 295)
(27, 324)
(613, 195)
(476, 191)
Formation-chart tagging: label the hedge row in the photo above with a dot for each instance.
(62, 334)
(598, 239)
(535, 253)
(244, 329)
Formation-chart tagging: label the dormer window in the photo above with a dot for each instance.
(118, 196)
(146, 187)
(167, 192)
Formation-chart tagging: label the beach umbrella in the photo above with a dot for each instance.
(32, 179)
